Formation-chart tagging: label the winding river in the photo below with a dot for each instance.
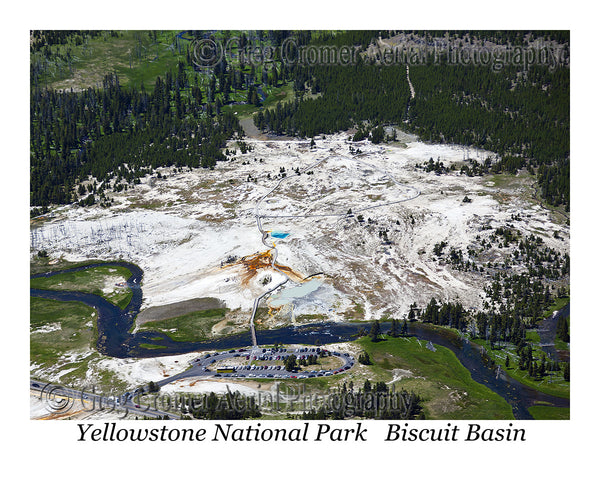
(115, 339)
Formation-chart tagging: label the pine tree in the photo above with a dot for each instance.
(290, 363)
(412, 313)
(562, 330)
(394, 329)
(364, 358)
(375, 331)
(531, 369)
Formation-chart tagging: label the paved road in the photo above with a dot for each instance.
(59, 399)
(202, 366)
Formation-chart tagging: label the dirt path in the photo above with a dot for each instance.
(250, 129)
(410, 85)
(252, 132)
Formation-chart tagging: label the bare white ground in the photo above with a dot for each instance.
(180, 229)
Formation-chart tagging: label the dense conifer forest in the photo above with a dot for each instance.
(520, 114)
(118, 134)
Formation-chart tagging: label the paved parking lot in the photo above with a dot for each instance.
(241, 366)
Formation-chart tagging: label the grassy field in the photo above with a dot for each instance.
(508, 186)
(43, 265)
(561, 344)
(191, 327)
(62, 343)
(532, 336)
(552, 383)
(543, 412)
(97, 280)
(67, 330)
(149, 346)
(438, 377)
(509, 181)
(58, 327)
(136, 56)
(557, 305)
(283, 94)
